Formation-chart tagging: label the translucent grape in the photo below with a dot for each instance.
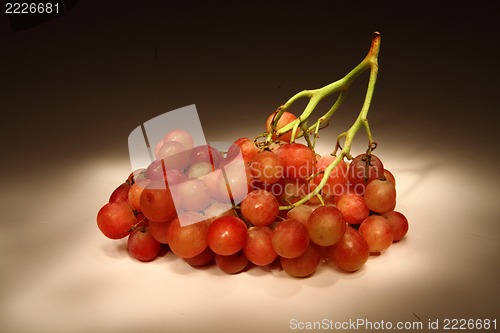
(260, 208)
(290, 238)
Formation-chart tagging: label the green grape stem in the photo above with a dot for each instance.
(370, 62)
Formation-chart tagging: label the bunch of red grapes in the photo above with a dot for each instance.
(237, 209)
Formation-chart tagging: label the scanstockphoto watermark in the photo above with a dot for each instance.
(354, 325)
(362, 324)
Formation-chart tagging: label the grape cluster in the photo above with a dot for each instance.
(245, 207)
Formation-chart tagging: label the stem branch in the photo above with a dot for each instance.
(315, 96)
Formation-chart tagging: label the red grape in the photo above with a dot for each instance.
(300, 213)
(214, 181)
(189, 240)
(231, 264)
(218, 209)
(389, 176)
(199, 169)
(202, 259)
(135, 192)
(158, 147)
(134, 175)
(181, 136)
(142, 245)
(175, 177)
(353, 207)
(337, 179)
(266, 167)
(351, 252)
(331, 200)
(380, 195)
(206, 154)
(192, 195)
(227, 235)
(275, 189)
(303, 265)
(284, 120)
(157, 171)
(243, 147)
(398, 223)
(298, 160)
(377, 232)
(120, 194)
(293, 190)
(364, 168)
(235, 180)
(260, 208)
(259, 248)
(116, 219)
(290, 238)
(156, 202)
(326, 225)
(159, 231)
(174, 156)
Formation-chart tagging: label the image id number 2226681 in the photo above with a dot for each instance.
(32, 8)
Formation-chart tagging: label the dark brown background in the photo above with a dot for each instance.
(99, 70)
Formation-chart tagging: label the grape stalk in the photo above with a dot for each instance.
(300, 128)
